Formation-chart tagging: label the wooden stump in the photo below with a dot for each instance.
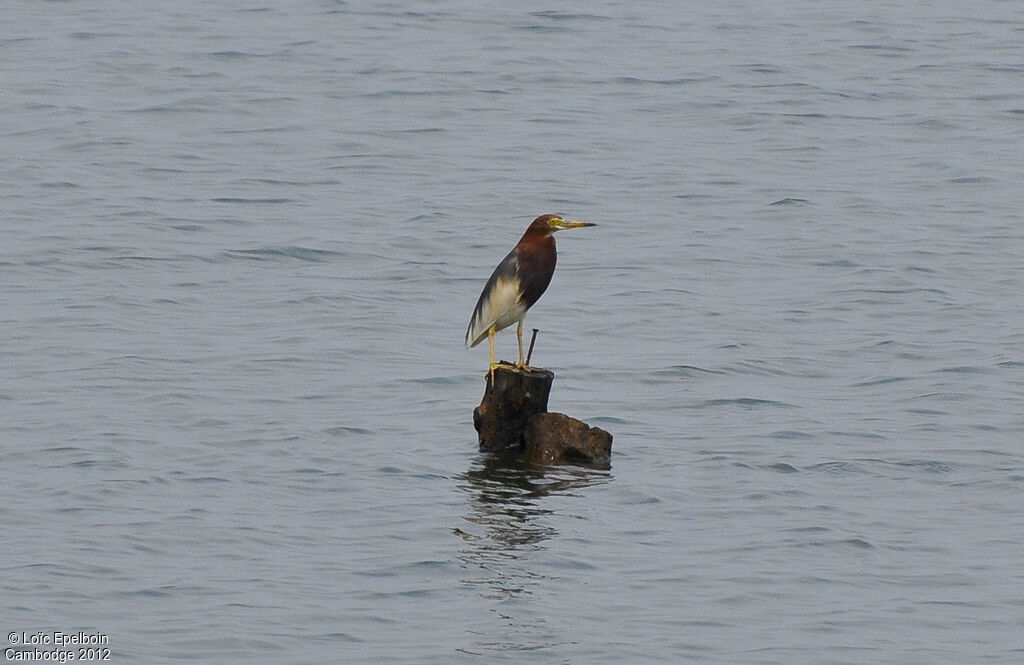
(515, 395)
(513, 418)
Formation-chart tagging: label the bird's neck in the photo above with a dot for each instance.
(537, 241)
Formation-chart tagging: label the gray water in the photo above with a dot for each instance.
(241, 244)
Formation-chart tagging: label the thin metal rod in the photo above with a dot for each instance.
(529, 354)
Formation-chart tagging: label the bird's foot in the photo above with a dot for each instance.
(504, 364)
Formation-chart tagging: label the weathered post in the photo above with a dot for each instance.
(513, 418)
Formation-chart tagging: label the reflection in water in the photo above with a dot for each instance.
(504, 526)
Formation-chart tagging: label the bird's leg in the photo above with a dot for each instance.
(490, 341)
(519, 336)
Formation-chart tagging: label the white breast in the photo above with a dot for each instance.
(499, 310)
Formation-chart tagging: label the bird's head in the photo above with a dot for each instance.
(549, 224)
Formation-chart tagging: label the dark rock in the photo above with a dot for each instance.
(555, 438)
(513, 418)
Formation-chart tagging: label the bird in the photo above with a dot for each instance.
(517, 283)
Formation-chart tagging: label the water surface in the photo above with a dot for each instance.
(241, 246)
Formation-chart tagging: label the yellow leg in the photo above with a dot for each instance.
(519, 336)
(490, 341)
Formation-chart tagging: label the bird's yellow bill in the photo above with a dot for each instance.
(559, 223)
